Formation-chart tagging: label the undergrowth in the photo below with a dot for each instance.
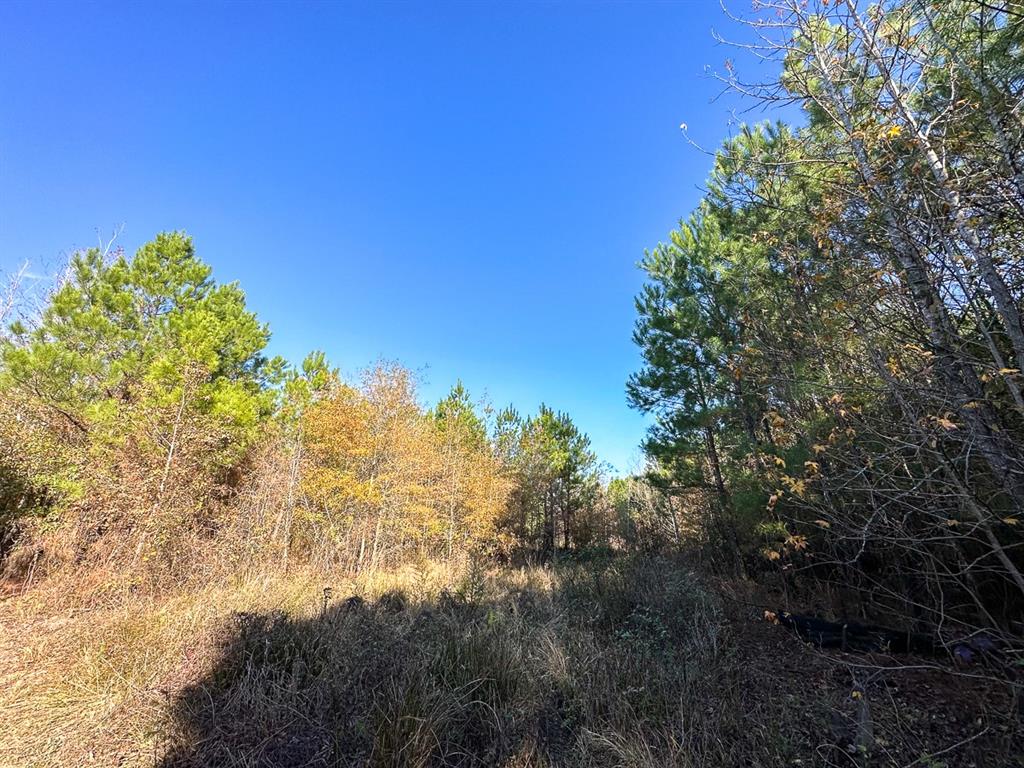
(627, 661)
(582, 664)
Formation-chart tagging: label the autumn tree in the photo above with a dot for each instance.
(472, 489)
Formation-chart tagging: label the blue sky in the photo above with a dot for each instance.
(465, 188)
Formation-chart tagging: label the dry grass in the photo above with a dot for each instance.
(586, 665)
(407, 667)
(87, 675)
(616, 662)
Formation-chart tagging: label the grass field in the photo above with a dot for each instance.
(607, 662)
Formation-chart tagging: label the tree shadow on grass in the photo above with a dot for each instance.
(611, 663)
(585, 666)
(387, 683)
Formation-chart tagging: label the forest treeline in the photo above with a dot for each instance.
(833, 341)
(833, 351)
(144, 426)
(210, 556)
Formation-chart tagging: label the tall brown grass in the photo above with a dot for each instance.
(604, 661)
(418, 666)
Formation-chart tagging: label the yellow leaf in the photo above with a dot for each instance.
(1009, 371)
(894, 131)
(823, 523)
(818, 448)
(796, 486)
(952, 523)
(1011, 520)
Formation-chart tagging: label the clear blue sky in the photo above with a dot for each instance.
(465, 188)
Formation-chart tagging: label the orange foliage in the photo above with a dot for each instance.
(380, 480)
